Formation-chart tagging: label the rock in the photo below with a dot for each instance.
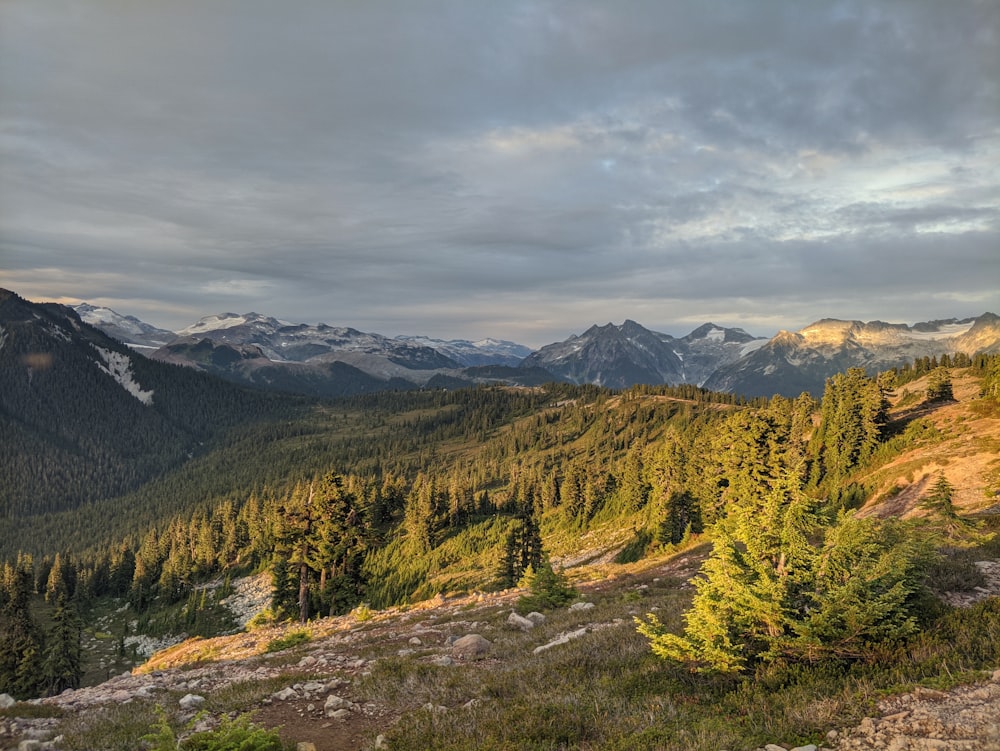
(313, 687)
(415, 641)
(307, 661)
(536, 618)
(29, 745)
(563, 639)
(471, 647)
(519, 621)
(381, 742)
(335, 704)
(581, 606)
(774, 747)
(7, 701)
(305, 746)
(444, 661)
(340, 714)
(807, 747)
(191, 701)
(285, 694)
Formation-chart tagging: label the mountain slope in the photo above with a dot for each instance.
(327, 361)
(128, 329)
(793, 362)
(622, 356)
(83, 417)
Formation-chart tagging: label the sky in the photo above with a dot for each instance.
(516, 170)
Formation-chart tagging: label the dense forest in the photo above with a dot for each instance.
(393, 497)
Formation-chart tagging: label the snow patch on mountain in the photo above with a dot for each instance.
(753, 346)
(487, 351)
(945, 331)
(214, 323)
(119, 367)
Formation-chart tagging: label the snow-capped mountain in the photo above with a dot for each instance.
(127, 329)
(325, 360)
(281, 341)
(793, 362)
(331, 361)
(472, 354)
(622, 356)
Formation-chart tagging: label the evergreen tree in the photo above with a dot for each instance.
(21, 641)
(939, 386)
(783, 583)
(62, 665)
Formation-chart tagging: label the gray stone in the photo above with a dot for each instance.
(415, 641)
(444, 661)
(581, 606)
(335, 704)
(536, 618)
(519, 621)
(339, 714)
(29, 745)
(285, 694)
(807, 747)
(7, 701)
(191, 701)
(471, 647)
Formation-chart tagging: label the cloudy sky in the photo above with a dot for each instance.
(521, 170)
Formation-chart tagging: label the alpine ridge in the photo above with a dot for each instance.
(330, 361)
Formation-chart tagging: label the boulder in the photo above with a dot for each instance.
(471, 647)
(335, 704)
(519, 621)
(581, 606)
(535, 617)
(191, 701)
(7, 701)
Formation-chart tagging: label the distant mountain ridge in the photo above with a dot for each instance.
(626, 355)
(793, 362)
(328, 361)
(127, 329)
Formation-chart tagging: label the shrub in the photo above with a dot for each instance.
(289, 640)
(238, 734)
(549, 590)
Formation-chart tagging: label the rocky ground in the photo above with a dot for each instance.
(310, 690)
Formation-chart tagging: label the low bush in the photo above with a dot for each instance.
(289, 640)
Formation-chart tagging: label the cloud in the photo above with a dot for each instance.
(472, 169)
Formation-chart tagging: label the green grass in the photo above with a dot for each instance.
(607, 691)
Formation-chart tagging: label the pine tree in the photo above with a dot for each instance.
(62, 665)
(939, 387)
(782, 583)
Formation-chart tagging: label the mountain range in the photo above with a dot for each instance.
(323, 360)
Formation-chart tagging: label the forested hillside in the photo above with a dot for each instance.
(82, 418)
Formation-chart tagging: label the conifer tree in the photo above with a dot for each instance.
(939, 388)
(783, 583)
(62, 665)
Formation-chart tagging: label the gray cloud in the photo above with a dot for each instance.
(518, 169)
